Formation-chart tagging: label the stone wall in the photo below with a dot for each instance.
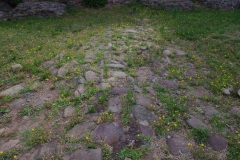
(41, 9)
(109, 3)
(221, 4)
(169, 4)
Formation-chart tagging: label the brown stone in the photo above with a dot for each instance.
(91, 76)
(196, 123)
(200, 92)
(117, 91)
(9, 145)
(217, 142)
(143, 100)
(114, 104)
(146, 131)
(108, 132)
(191, 73)
(47, 151)
(91, 154)
(177, 146)
(80, 130)
(169, 84)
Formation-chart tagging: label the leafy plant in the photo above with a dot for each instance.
(92, 109)
(201, 135)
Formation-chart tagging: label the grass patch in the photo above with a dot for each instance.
(134, 154)
(35, 136)
(201, 135)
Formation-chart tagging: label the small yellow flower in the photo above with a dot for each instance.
(168, 129)
(1, 152)
(15, 157)
(32, 129)
(154, 121)
(189, 144)
(202, 144)
(175, 125)
(52, 156)
(138, 135)
(87, 138)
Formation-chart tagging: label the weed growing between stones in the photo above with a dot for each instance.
(35, 136)
(201, 135)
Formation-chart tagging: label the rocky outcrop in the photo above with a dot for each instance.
(169, 4)
(41, 9)
(221, 4)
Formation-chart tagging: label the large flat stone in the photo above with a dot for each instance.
(114, 104)
(80, 130)
(81, 154)
(142, 115)
(217, 142)
(69, 111)
(108, 132)
(178, 146)
(47, 151)
(91, 76)
(118, 74)
(210, 111)
(120, 66)
(62, 72)
(201, 92)
(80, 90)
(196, 123)
(143, 100)
(9, 145)
(117, 91)
(170, 84)
(12, 91)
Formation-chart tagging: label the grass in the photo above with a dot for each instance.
(201, 135)
(35, 136)
(209, 37)
(134, 154)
